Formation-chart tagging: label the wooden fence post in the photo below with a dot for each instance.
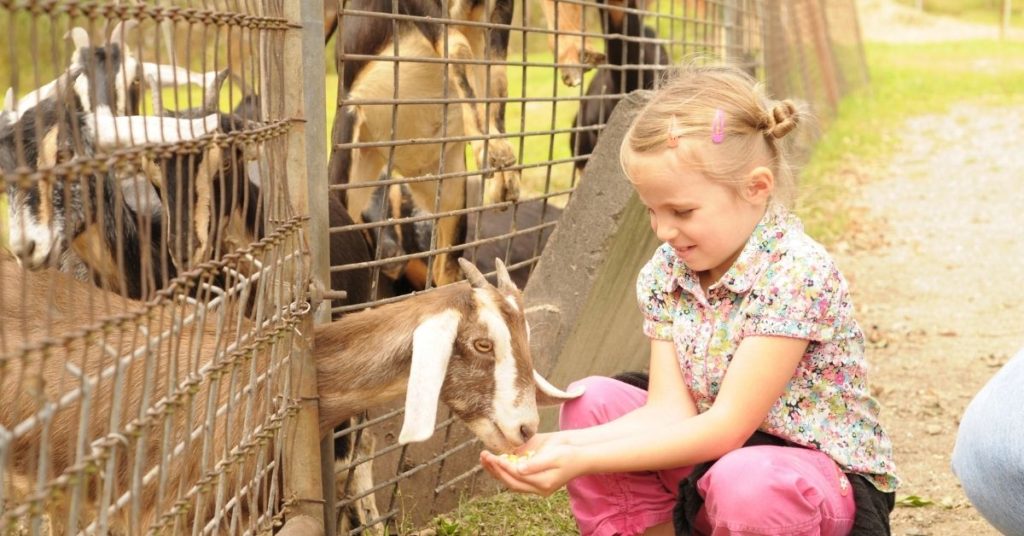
(302, 101)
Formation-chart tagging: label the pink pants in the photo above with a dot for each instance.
(762, 490)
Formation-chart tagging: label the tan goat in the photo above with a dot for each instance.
(465, 344)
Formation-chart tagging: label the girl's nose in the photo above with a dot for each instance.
(665, 233)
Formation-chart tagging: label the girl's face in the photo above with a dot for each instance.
(707, 223)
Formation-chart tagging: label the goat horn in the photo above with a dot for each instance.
(117, 35)
(473, 275)
(549, 395)
(9, 100)
(78, 36)
(504, 280)
(212, 86)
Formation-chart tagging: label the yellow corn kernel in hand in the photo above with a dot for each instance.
(515, 458)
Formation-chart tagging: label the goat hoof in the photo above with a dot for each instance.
(572, 76)
(500, 154)
(593, 58)
(503, 187)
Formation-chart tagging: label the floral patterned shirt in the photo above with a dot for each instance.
(782, 284)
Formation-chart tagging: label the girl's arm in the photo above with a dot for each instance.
(668, 400)
(755, 380)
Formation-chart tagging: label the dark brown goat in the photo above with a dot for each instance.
(635, 60)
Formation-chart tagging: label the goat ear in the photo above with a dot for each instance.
(473, 275)
(504, 280)
(549, 395)
(432, 343)
(9, 100)
(123, 130)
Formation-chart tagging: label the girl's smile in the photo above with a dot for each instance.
(683, 252)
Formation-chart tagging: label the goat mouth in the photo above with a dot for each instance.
(507, 444)
(36, 262)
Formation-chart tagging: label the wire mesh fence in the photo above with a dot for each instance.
(153, 291)
(155, 277)
(462, 128)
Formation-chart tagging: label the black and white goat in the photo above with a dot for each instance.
(117, 234)
(464, 344)
(635, 60)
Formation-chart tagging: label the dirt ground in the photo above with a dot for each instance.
(937, 279)
(936, 271)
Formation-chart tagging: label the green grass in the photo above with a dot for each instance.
(508, 513)
(906, 81)
(976, 11)
(541, 82)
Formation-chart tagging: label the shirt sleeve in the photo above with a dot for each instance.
(802, 295)
(655, 293)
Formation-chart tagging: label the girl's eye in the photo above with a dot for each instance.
(682, 213)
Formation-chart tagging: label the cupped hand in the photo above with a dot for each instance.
(542, 473)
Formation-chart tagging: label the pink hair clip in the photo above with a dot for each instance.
(718, 127)
(673, 135)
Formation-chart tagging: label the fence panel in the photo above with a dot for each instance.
(156, 271)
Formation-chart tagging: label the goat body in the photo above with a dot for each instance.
(522, 247)
(409, 234)
(465, 344)
(375, 80)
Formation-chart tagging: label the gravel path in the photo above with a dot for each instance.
(938, 277)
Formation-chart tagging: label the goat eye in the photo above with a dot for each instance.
(483, 345)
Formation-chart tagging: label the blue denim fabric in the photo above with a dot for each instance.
(989, 454)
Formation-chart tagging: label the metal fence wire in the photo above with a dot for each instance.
(159, 244)
(150, 312)
(462, 128)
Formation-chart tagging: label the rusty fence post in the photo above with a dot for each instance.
(303, 102)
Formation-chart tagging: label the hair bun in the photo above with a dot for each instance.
(781, 120)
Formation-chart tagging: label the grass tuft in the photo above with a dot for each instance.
(508, 513)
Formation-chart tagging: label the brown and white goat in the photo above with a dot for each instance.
(367, 62)
(464, 344)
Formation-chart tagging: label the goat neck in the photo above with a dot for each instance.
(364, 359)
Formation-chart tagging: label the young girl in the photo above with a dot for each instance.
(751, 330)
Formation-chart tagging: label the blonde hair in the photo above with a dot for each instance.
(685, 109)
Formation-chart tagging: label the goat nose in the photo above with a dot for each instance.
(27, 247)
(526, 432)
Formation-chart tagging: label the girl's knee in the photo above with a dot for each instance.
(775, 489)
(743, 477)
(604, 399)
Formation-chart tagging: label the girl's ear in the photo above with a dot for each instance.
(760, 185)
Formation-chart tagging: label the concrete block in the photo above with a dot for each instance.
(581, 296)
